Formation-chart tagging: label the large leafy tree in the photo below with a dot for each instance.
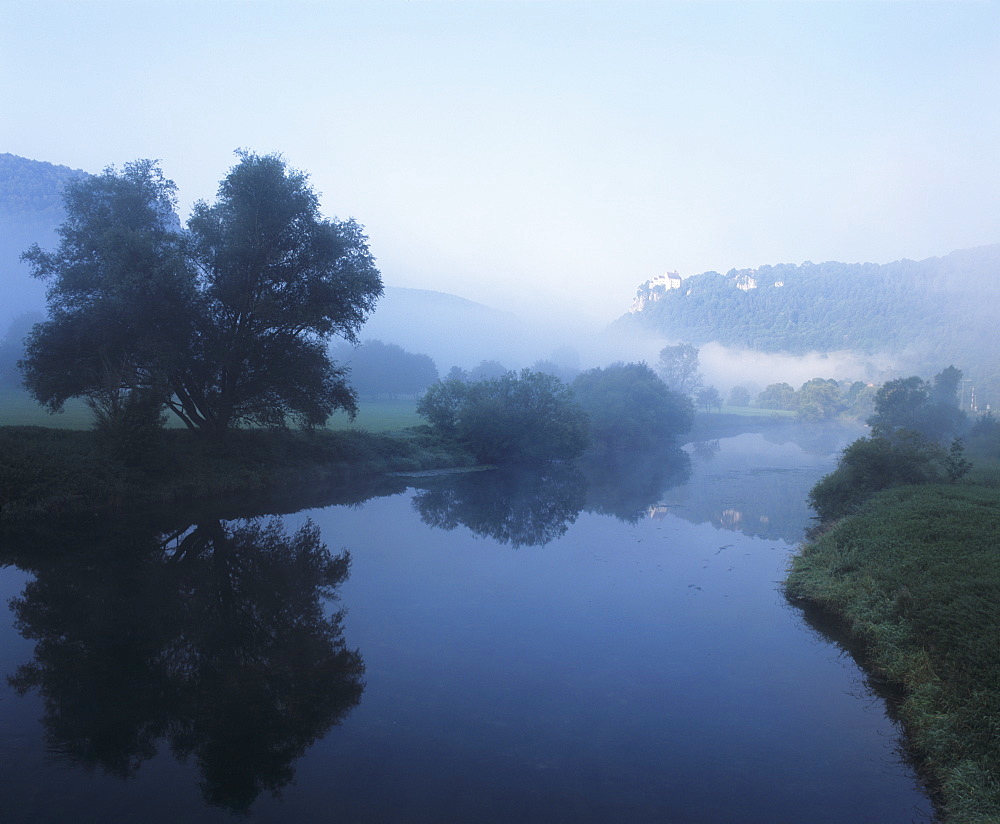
(277, 281)
(120, 298)
(225, 324)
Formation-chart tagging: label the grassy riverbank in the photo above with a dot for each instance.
(46, 471)
(916, 577)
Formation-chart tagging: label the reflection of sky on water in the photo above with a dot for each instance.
(755, 483)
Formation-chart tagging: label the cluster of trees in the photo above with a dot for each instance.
(821, 399)
(225, 323)
(380, 369)
(529, 416)
(913, 440)
(534, 416)
(678, 366)
(817, 399)
(488, 369)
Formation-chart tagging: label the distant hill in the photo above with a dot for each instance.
(452, 330)
(30, 210)
(928, 314)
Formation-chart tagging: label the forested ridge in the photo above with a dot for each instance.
(31, 206)
(927, 313)
(32, 188)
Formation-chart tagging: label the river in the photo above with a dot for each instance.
(605, 643)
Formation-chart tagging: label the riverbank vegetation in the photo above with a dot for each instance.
(57, 471)
(907, 557)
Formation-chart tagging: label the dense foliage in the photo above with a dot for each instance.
(910, 421)
(630, 407)
(31, 187)
(529, 416)
(821, 399)
(872, 464)
(918, 406)
(225, 324)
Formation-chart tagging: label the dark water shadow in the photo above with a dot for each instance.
(833, 629)
(214, 639)
(627, 485)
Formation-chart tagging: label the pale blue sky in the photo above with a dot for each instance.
(545, 153)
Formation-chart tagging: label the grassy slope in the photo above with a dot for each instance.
(916, 576)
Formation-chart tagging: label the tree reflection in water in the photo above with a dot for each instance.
(534, 505)
(517, 506)
(214, 639)
(627, 484)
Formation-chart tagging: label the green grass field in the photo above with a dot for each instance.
(754, 412)
(18, 409)
(380, 416)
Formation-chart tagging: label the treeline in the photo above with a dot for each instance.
(817, 399)
(915, 439)
(378, 369)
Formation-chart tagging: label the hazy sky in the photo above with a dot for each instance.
(545, 153)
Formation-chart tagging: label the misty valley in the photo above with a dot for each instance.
(575, 642)
(283, 543)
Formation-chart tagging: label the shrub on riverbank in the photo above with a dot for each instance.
(915, 574)
(51, 472)
(525, 417)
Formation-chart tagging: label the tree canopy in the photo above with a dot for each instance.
(225, 324)
(914, 405)
(630, 407)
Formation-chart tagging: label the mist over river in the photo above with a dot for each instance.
(576, 644)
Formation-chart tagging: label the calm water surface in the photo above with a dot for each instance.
(604, 645)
